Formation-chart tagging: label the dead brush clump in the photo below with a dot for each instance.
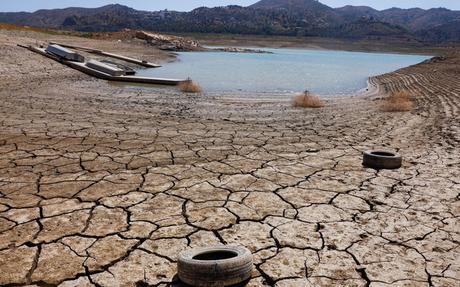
(190, 87)
(307, 100)
(398, 102)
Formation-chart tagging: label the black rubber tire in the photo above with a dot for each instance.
(215, 273)
(381, 160)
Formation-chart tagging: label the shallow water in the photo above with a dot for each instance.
(285, 71)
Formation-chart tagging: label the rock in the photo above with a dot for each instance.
(180, 44)
(242, 50)
(169, 43)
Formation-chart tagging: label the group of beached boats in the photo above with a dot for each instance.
(103, 69)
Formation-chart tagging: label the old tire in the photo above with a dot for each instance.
(215, 266)
(381, 160)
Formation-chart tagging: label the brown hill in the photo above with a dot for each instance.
(267, 17)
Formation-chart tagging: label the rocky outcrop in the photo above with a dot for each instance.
(241, 50)
(169, 43)
(180, 44)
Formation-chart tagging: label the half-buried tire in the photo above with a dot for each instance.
(381, 160)
(215, 266)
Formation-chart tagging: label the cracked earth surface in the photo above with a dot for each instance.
(103, 185)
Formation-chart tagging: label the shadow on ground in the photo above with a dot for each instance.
(175, 282)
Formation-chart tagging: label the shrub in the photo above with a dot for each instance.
(397, 102)
(307, 100)
(190, 87)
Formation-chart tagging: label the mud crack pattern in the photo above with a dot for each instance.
(102, 185)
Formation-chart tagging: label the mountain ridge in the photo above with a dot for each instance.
(288, 4)
(266, 17)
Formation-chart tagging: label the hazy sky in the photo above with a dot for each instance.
(186, 5)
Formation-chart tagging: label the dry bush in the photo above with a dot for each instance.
(189, 87)
(398, 102)
(307, 100)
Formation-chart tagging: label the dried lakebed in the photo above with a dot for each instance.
(103, 185)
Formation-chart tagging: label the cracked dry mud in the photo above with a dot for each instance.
(103, 185)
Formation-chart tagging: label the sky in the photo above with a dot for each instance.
(187, 5)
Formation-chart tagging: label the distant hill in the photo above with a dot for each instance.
(55, 18)
(266, 17)
(290, 5)
(441, 33)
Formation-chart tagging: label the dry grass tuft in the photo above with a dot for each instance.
(190, 87)
(398, 102)
(307, 100)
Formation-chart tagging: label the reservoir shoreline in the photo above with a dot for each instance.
(393, 46)
(283, 71)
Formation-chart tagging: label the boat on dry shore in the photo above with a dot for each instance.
(110, 55)
(97, 69)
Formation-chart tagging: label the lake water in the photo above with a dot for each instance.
(285, 71)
